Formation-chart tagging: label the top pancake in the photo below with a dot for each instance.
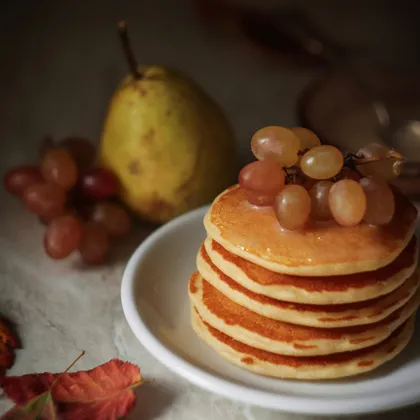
(320, 249)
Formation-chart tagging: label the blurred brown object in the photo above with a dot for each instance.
(340, 112)
(342, 105)
(267, 30)
(409, 186)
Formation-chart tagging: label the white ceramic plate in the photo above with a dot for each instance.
(155, 301)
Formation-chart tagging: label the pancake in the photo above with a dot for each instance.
(315, 290)
(321, 249)
(284, 338)
(321, 316)
(309, 368)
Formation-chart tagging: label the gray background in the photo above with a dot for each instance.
(60, 62)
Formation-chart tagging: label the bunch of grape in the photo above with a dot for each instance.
(73, 198)
(304, 180)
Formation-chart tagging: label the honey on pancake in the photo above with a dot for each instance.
(254, 233)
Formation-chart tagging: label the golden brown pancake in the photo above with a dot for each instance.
(315, 290)
(280, 337)
(320, 249)
(309, 368)
(321, 316)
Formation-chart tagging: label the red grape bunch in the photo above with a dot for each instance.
(73, 198)
(303, 180)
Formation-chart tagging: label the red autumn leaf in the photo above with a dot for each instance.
(103, 393)
(8, 342)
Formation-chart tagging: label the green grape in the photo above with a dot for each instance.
(322, 162)
(373, 151)
(347, 202)
(386, 169)
(308, 138)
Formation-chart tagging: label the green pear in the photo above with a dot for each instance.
(170, 145)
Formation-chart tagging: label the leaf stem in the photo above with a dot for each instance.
(128, 51)
(68, 368)
(140, 382)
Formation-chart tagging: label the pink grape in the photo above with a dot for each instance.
(63, 236)
(18, 179)
(99, 183)
(262, 178)
(94, 246)
(258, 199)
(276, 144)
(46, 200)
(380, 202)
(59, 167)
(320, 209)
(292, 206)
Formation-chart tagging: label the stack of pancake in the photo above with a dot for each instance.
(323, 302)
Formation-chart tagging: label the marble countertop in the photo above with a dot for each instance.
(63, 63)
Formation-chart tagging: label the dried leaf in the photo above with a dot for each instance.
(8, 342)
(6, 357)
(105, 392)
(7, 336)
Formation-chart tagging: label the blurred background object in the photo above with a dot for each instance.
(360, 97)
(63, 62)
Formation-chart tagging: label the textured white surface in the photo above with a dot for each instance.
(61, 62)
(61, 309)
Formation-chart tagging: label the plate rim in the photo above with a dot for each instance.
(223, 387)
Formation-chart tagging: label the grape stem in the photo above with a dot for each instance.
(128, 51)
(302, 152)
(290, 177)
(350, 162)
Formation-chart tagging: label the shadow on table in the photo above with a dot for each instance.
(152, 400)
(121, 249)
(410, 413)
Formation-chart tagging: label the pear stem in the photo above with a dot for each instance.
(129, 55)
